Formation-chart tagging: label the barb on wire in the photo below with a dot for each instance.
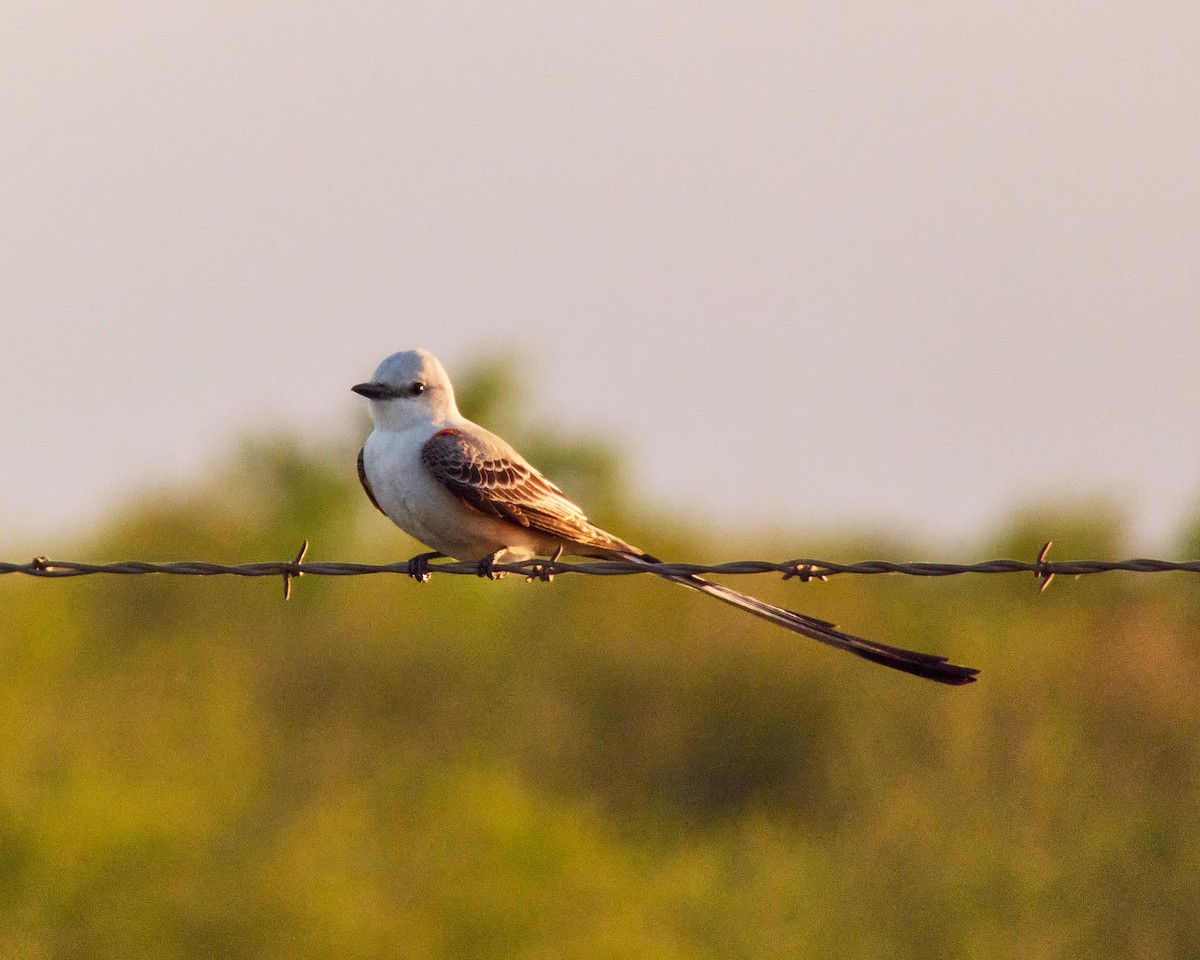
(803, 569)
(287, 576)
(1040, 573)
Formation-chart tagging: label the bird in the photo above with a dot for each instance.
(468, 495)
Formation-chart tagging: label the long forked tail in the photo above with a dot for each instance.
(926, 665)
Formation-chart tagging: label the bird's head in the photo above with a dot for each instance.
(409, 388)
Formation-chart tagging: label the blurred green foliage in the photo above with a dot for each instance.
(591, 769)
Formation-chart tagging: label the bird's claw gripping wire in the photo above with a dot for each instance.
(418, 566)
(487, 567)
(545, 570)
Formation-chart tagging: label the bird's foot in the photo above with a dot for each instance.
(545, 571)
(487, 567)
(418, 566)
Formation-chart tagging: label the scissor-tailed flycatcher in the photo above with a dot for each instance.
(469, 495)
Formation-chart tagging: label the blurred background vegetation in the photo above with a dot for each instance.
(609, 769)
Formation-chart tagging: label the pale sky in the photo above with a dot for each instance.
(864, 263)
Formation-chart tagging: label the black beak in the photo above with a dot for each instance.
(373, 390)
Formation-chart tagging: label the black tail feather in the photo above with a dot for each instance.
(926, 665)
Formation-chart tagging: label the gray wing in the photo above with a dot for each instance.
(489, 476)
(366, 485)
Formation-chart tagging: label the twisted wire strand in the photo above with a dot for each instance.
(801, 568)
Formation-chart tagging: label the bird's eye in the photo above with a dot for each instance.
(416, 388)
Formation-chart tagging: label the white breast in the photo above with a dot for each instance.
(427, 511)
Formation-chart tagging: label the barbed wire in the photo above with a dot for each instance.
(422, 566)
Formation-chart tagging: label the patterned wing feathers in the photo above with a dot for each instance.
(494, 480)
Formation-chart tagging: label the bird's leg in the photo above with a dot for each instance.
(487, 566)
(545, 571)
(418, 566)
